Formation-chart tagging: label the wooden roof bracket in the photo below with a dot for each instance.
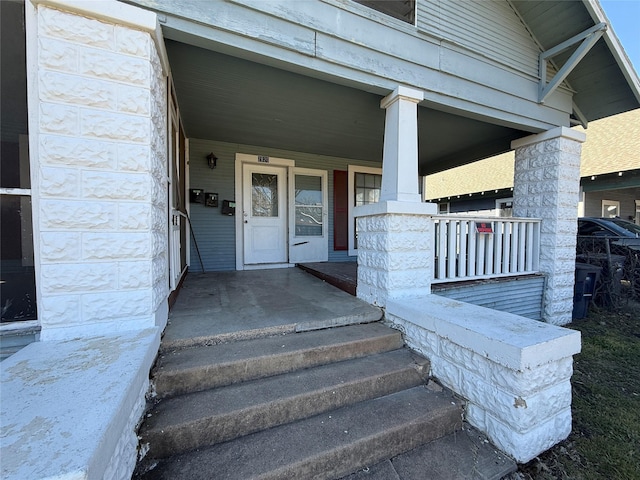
(588, 38)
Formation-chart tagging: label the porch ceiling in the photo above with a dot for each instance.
(233, 100)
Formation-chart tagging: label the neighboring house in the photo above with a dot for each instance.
(319, 117)
(609, 176)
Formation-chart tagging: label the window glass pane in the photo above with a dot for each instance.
(264, 195)
(17, 277)
(308, 221)
(308, 206)
(367, 190)
(14, 158)
(401, 9)
(308, 190)
(369, 181)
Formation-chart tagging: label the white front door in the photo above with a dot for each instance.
(264, 214)
(308, 216)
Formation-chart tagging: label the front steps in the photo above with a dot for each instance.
(322, 404)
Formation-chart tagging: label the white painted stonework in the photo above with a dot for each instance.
(395, 250)
(70, 409)
(514, 372)
(99, 167)
(72, 402)
(547, 186)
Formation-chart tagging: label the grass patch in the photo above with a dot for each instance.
(605, 440)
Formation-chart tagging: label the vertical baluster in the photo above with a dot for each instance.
(522, 243)
(506, 248)
(536, 246)
(481, 253)
(529, 247)
(464, 234)
(472, 248)
(497, 247)
(451, 248)
(489, 241)
(513, 263)
(442, 245)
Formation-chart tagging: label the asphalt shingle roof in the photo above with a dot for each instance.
(612, 145)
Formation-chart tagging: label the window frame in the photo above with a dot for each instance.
(610, 203)
(352, 170)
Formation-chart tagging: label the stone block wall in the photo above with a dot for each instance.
(513, 372)
(99, 165)
(546, 186)
(395, 251)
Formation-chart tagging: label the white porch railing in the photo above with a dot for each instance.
(471, 248)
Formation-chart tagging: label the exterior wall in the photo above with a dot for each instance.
(626, 196)
(214, 232)
(546, 186)
(500, 37)
(98, 153)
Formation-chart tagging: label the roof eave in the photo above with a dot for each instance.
(626, 67)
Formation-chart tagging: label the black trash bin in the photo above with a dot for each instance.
(586, 278)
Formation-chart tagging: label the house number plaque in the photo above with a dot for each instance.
(263, 159)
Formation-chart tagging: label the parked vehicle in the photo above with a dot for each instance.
(614, 245)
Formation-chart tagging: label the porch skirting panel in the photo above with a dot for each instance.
(514, 372)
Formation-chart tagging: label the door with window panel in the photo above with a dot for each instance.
(264, 214)
(308, 240)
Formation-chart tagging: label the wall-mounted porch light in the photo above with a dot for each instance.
(212, 160)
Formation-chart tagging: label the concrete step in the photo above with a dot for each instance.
(326, 446)
(201, 368)
(199, 419)
(462, 455)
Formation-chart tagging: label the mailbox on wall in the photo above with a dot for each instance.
(210, 199)
(228, 207)
(196, 195)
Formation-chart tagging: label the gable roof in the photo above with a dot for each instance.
(604, 80)
(612, 145)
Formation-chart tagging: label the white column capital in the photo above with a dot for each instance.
(402, 93)
(559, 132)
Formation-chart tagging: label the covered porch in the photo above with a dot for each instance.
(513, 372)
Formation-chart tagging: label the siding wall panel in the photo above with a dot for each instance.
(214, 232)
(491, 28)
(521, 296)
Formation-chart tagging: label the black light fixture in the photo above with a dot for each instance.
(212, 160)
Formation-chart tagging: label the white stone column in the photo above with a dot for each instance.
(97, 108)
(395, 236)
(547, 186)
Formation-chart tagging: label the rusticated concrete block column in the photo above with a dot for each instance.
(98, 162)
(395, 250)
(547, 186)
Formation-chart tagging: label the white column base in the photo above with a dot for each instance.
(395, 251)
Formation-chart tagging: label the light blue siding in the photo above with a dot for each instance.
(214, 232)
(520, 296)
(491, 28)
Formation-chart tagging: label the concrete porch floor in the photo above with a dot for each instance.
(222, 306)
